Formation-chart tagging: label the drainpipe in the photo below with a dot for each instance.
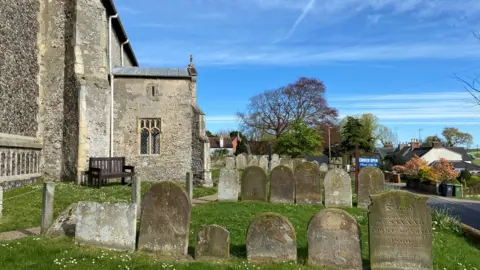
(111, 79)
(121, 50)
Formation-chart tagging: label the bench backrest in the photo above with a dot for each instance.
(108, 164)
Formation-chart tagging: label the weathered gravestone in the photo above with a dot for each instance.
(275, 161)
(338, 188)
(287, 162)
(241, 161)
(370, 181)
(165, 220)
(308, 188)
(254, 184)
(230, 163)
(333, 238)
(213, 242)
(297, 161)
(271, 239)
(400, 231)
(228, 185)
(282, 185)
(253, 161)
(323, 167)
(275, 157)
(65, 223)
(106, 225)
(263, 162)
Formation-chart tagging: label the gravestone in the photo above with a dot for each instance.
(282, 185)
(296, 162)
(370, 181)
(333, 238)
(253, 161)
(241, 161)
(165, 220)
(287, 162)
(65, 223)
(338, 188)
(228, 185)
(230, 163)
(271, 239)
(323, 167)
(213, 243)
(275, 157)
(254, 184)
(400, 231)
(308, 184)
(275, 161)
(108, 225)
(263, 162)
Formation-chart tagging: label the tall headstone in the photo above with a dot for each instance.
(228, 185)
(333, 238)
(308, 184)
(371, 181)
(254, 184)
(400, 231)
(165, 221)
(338, 188)
(241, 161)
(282, 185)
(108, 225)
(213, 243)
(230, 163)
(263, 163)
(47, 206)
(271, 239)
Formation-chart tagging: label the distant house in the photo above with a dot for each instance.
(221, 142)
(458, 156)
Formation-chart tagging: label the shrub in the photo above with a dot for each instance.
(220, 152)
(428, 174)
(465, 175)
(446, 172)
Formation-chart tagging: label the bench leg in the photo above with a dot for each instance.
(123, 180)
(99, 181)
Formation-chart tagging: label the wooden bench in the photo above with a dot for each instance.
(102, 168)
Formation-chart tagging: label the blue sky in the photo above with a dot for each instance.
(395, 59)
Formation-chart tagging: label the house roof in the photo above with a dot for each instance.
(408, 152)
(215, 142)
(462, 165)
(119, 30)
(152, 72)
(461, 151)
(384, 151)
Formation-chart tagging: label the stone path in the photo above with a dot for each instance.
(12, 235)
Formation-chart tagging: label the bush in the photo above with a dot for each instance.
(220, 153)
(465, 175)
(428, 174)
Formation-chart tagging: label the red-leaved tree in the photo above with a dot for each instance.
(412, 166)
(445, 170)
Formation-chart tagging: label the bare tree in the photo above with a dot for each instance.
(273, 111)
(473, 84)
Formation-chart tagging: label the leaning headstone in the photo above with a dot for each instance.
(213, 243)
(230, 163)
(370, 181)
(263, 162)
(165, 221)
(400, 231)
(228, 185)
(65, 223)
(333, 238)
(323, 167)
(282, 185)
(241, 161)
(338, 189)
(106, 225)
(254, 184)
(308, 184)
(271, 239)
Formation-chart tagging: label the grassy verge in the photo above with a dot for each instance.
(450, 249)
(25, 211)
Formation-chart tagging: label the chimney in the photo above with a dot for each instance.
(414, 144)
(401, 145)
(221, 141)
(388, 145)
(437, 144)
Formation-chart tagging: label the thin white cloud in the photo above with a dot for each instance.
(302, 16)
(434, 96)
(432, 123)
(221, 119)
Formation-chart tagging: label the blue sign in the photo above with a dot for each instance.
(368, 162)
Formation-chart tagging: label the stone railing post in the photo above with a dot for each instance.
(137, 193)
(47, 206)
(189, 185)
(1, 201)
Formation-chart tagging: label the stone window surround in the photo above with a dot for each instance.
(151, 125)
(152, 90)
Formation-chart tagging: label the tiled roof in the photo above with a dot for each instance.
(151, 72)
(215, 142)
(461, 151)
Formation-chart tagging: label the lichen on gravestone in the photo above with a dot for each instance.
(282, 185)
(213, 243)
(338, 188)
(308, 184)
(254, 184)
(370, 181)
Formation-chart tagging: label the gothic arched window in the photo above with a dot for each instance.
(150, 134)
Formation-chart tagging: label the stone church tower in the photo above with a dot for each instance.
(71, 88)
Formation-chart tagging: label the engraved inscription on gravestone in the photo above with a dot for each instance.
(400, 231)
(254, 184)
(338, 189)
(282, 185)
(308, 184)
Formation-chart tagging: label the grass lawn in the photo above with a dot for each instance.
(25, 211)
(451, 250)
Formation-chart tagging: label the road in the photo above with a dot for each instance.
(467, 211)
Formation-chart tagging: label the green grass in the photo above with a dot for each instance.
(25, 211)
(450, 248)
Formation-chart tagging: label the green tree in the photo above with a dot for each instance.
(430, 139)
(454, 137)
(354, 132)
(209, 133)
(299, 140)
(242, 146)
